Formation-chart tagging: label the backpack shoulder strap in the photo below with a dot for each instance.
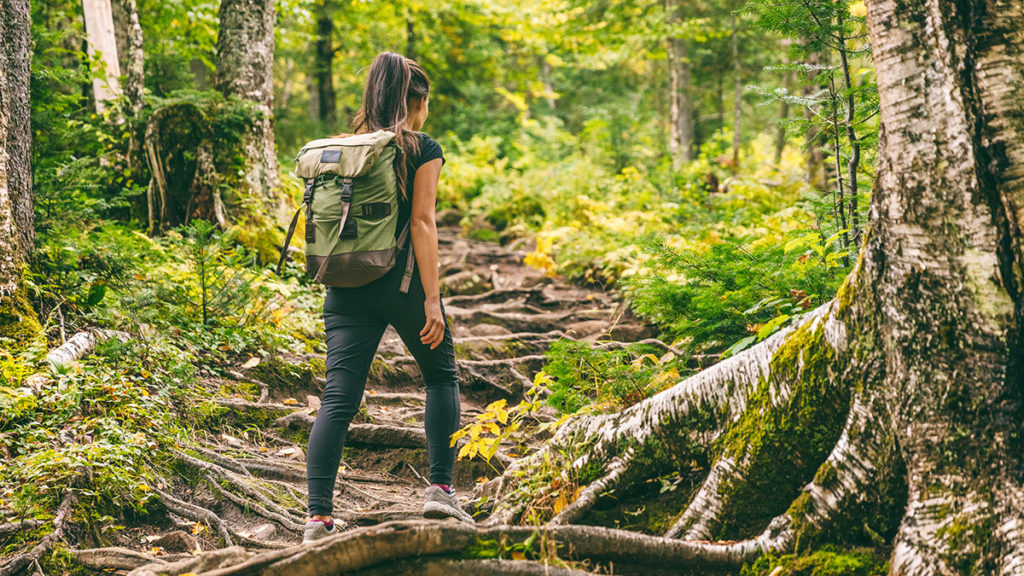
(410, 261)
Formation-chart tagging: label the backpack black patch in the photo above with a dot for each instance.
(330, 156)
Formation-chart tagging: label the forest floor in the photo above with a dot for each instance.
(243, 479)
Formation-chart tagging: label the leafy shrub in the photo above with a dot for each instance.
(605, 380)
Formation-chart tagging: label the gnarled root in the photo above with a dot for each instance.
(60, 521)
(384, 547)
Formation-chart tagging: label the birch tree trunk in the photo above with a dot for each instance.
(99, 26)
(245, 61)
(680, 106)
(17, 319)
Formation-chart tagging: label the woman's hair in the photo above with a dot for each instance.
(393, 81)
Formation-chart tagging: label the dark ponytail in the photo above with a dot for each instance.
(392, 81)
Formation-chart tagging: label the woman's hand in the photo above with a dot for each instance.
(433, 331)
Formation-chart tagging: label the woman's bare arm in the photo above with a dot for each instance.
(423, 229)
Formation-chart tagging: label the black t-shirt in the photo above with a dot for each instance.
(429, 150)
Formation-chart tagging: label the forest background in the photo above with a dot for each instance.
(710, 160)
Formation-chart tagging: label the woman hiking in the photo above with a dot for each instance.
(395, 99)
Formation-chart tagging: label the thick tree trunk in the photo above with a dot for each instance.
(943, 276)
(326, 101)
(245, 60)
(99, 25)
(680, 106)
(17, 319)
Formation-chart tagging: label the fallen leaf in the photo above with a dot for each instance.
(251, 363)
(290, 402)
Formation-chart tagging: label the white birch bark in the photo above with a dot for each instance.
(99, 27)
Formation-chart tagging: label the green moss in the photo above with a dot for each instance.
(288, 378)
(18, 321)
(967, 544)
(232, 389)
(827, 561)
(783, 445)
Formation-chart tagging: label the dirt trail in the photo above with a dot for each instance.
(246, 479)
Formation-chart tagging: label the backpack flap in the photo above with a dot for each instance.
(348, 157)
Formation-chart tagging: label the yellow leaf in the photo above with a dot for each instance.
(198, 528)
(464, 451)
(560, 503)
(493, 428)
(496, 405)
(290, 402)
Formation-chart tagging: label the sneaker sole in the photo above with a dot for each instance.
(438, 511)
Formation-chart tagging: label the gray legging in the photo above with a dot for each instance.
(355, 320)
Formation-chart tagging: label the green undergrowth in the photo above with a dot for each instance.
(825, 561)
(607, 380)
(95, 428)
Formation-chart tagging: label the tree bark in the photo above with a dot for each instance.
(680, 106)
(135, 80)
(853, 164)
(326, 100)
(737, 94)
(99, 25)
(17, 319)
(245, 60)
(816, 175)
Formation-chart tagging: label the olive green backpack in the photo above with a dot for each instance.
(351, 204)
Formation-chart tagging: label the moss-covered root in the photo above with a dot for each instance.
(843, 483)
(695, 412)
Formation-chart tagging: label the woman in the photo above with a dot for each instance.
(395, 99)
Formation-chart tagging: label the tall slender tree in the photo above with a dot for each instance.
(327, 104)
(681, 130)
(17, 318)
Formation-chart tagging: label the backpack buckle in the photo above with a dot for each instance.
(346, 190)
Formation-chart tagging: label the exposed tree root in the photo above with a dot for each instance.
(387, 545)
(706, 504)
(60, 521)
(116, 558)
(195, 513)
(27, 524)
(258, 498)
(206, 561)
(616, 469)
(489, 567)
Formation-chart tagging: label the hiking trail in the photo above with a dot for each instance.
(243, 481)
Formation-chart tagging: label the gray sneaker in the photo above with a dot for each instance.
(315, 530)
(440, 504)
